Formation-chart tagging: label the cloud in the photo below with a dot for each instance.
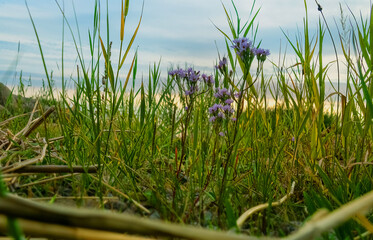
(179, 31)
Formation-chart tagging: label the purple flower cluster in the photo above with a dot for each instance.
(209, 80)
(243, 46)
(177, 73)
(261, 54)
(215, 108)
(189, 74)
(222, 66)
(192, 89)
(222, 93)
(228, 109)
(224, 109)
(191, 78)
(247, 51)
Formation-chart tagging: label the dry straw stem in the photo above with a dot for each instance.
(326, 221)
(14, 206)
(52, 140)
(12, 118)
(30, 126)
(27, 162)
(17, 207)
(47, 180)
(25, 128)
(251, 211)
(55, 169)
(73, 198)
(38, 121)
(39, 229)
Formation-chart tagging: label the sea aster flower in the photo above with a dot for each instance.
(227, 108)
(261, 54)
(209, 80)
(212, 119)
(222, 65)
(228, 101)
(242, 46)
(222, 93)
(215, 108)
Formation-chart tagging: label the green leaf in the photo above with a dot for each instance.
(142, 106)
(303, 125)
(130, 108)
(231, 217)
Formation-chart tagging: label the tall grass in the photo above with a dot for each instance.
(159, 148)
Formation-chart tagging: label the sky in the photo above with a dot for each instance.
(177, 32)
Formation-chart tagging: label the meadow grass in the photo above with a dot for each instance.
(172, 149)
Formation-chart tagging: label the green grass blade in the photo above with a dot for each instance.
(132, 39)
(142, 106)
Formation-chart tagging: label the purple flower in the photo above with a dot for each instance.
(261, 54)
(242, 46)
(186, 108)
(227, 108)
(178, 72)
(245, 49)
(221, 115)
(212, 119)
(189, 77)
(172, 73)
(221, 93)
(208, 79)
(181, 73)
(190, 70)
(293, 139)
(234, 119)
(228, 101)
(222, 64)
(215, 108)
(193, 76)
(191, 90)
(221, 134)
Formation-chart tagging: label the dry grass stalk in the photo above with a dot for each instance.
(47, 180)
(40, 229)
(326, 221)
(74, 198)
(17, 207)
(251, 211)
(55, 169)
(105, 221)
(27, 162)
(15, 138)
(5, 122)
(38, 121)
